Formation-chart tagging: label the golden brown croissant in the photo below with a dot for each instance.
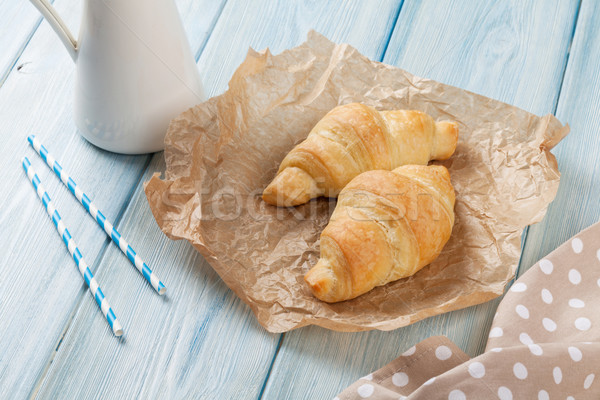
(386, 225)
(352, 139)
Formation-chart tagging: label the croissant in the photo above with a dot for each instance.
(352, 139)
(386, 225)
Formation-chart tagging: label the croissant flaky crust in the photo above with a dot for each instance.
(352, 139)
(386, 225)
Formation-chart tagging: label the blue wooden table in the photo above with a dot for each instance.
(201, 341)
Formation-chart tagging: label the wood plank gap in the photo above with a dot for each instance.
(264, 385)
(392, 28)
(82, 293)
(523, 241)
(564, 71)
(211, 29)
(554, 108)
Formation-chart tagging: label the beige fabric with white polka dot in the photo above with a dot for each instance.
(544, 342)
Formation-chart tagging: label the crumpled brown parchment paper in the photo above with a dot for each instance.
(221, 154)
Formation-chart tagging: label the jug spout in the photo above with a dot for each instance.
(58, 25)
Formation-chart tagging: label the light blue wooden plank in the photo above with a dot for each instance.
(208, 344)
(40, 284)
(18, 22)
(577, 204)
(513, 51)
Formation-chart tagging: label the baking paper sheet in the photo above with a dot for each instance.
(221, 154)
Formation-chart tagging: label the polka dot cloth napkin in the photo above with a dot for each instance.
(544, 342)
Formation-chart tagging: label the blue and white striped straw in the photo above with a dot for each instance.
(97, 215)
(72, 247)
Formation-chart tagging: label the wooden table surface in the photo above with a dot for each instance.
(201, 341)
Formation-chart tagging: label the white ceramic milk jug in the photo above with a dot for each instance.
(135, 71)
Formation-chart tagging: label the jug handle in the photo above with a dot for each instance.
(58, 25)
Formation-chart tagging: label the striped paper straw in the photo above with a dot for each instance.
(72, 247)
(97, 215)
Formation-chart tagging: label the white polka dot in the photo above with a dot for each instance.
(476, 369)
(409, 352)
(504, 393)
(518, 287)
(583, 324)
(546, 296)
(575, 353)
(598, 282)
(546, 266)
(522, 311)
(598, 254)
(576, 303)
(365, 390)
(535, 349)
(400, 379)
(574, 277)
(577, 245)
(588, 381)
(457, 395)
(549, 325)
(525, 338)
(557, 374)
(368, 377)
(336, 398)
(570, 398)
(443, 353)
(520, 371)
(496, 332)
(429, 381)
(543, 395)
(496, 349)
